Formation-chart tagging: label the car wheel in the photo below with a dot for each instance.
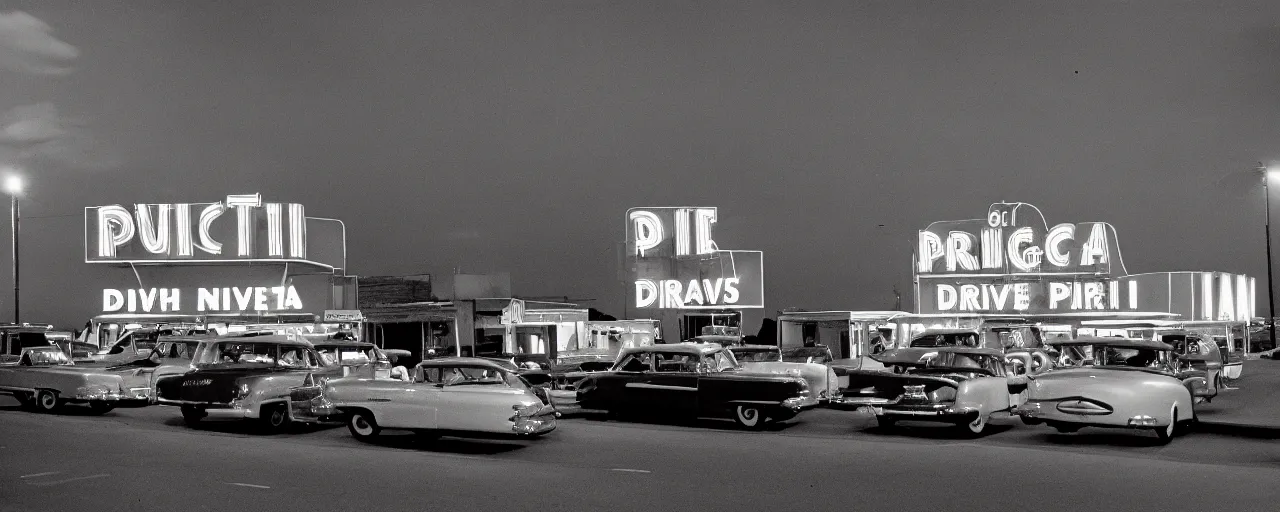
(274, 418)
(47, 401)
(98, 407)
(975, 427)
(362, 425)
(1165, 434)
(886, 422)
(749, 416)
(192, 415)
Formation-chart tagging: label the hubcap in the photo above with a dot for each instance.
(361, 425)
(749, 416)
(47, 400)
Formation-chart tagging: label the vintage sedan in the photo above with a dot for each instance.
(457, 396)
(567, 372)
(45, 379)
(243, 378)
(694, 380)
(804, 362)
(1127, 383)
(171, 355)
(963, 386)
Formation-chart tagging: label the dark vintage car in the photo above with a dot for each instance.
(694, 380)
(567, 372)
(248, 377)
(962, 386)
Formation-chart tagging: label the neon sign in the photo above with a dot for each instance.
(1014, 239)
(238, 228)
(227, 299)
(1012, 262)
(675, 263)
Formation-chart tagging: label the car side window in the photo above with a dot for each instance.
(635, 363)
(672, 363)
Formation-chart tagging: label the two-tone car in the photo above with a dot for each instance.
(171, 355)
(455, 396)
(246, 378)
(963, 386)
(1126, 383)
(45, 379)
(808, 363)
(694, 380)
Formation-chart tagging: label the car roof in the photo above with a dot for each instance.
(946, 330)
(912, 355)
(274, 339)
(461, 361)
(755, 347)
(342, 343)
(1114, 342)
(675, 348)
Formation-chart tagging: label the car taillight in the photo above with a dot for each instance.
(943, 394)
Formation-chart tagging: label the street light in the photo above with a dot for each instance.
(1271, 294)
(13, 186)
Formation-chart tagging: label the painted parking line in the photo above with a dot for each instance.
(38, 475)
(255, 486)
(625, 470)
(69, 480)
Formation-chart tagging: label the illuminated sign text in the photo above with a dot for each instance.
(229, 299)
(675, 263)
(238, 228)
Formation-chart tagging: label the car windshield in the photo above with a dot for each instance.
(350, 355)
(946, 340)
(1128, 357)
(756, 356)
(807, 355)
(46, 357)
(470, 376)
(227, 353)
(952, 361)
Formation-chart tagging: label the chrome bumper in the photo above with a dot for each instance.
(233, 410)
(800, 403)
(540, 422)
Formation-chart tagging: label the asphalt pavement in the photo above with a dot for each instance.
(146, 459)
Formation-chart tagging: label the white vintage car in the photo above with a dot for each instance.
(459, 396)
(1127, 383)
(809, 363)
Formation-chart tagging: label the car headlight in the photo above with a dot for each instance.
(243, 392)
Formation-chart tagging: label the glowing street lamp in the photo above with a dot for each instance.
(13, 185)
(1271, 294)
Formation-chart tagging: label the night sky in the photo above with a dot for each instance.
(495, 136)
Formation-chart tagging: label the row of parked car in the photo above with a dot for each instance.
(955, 376)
